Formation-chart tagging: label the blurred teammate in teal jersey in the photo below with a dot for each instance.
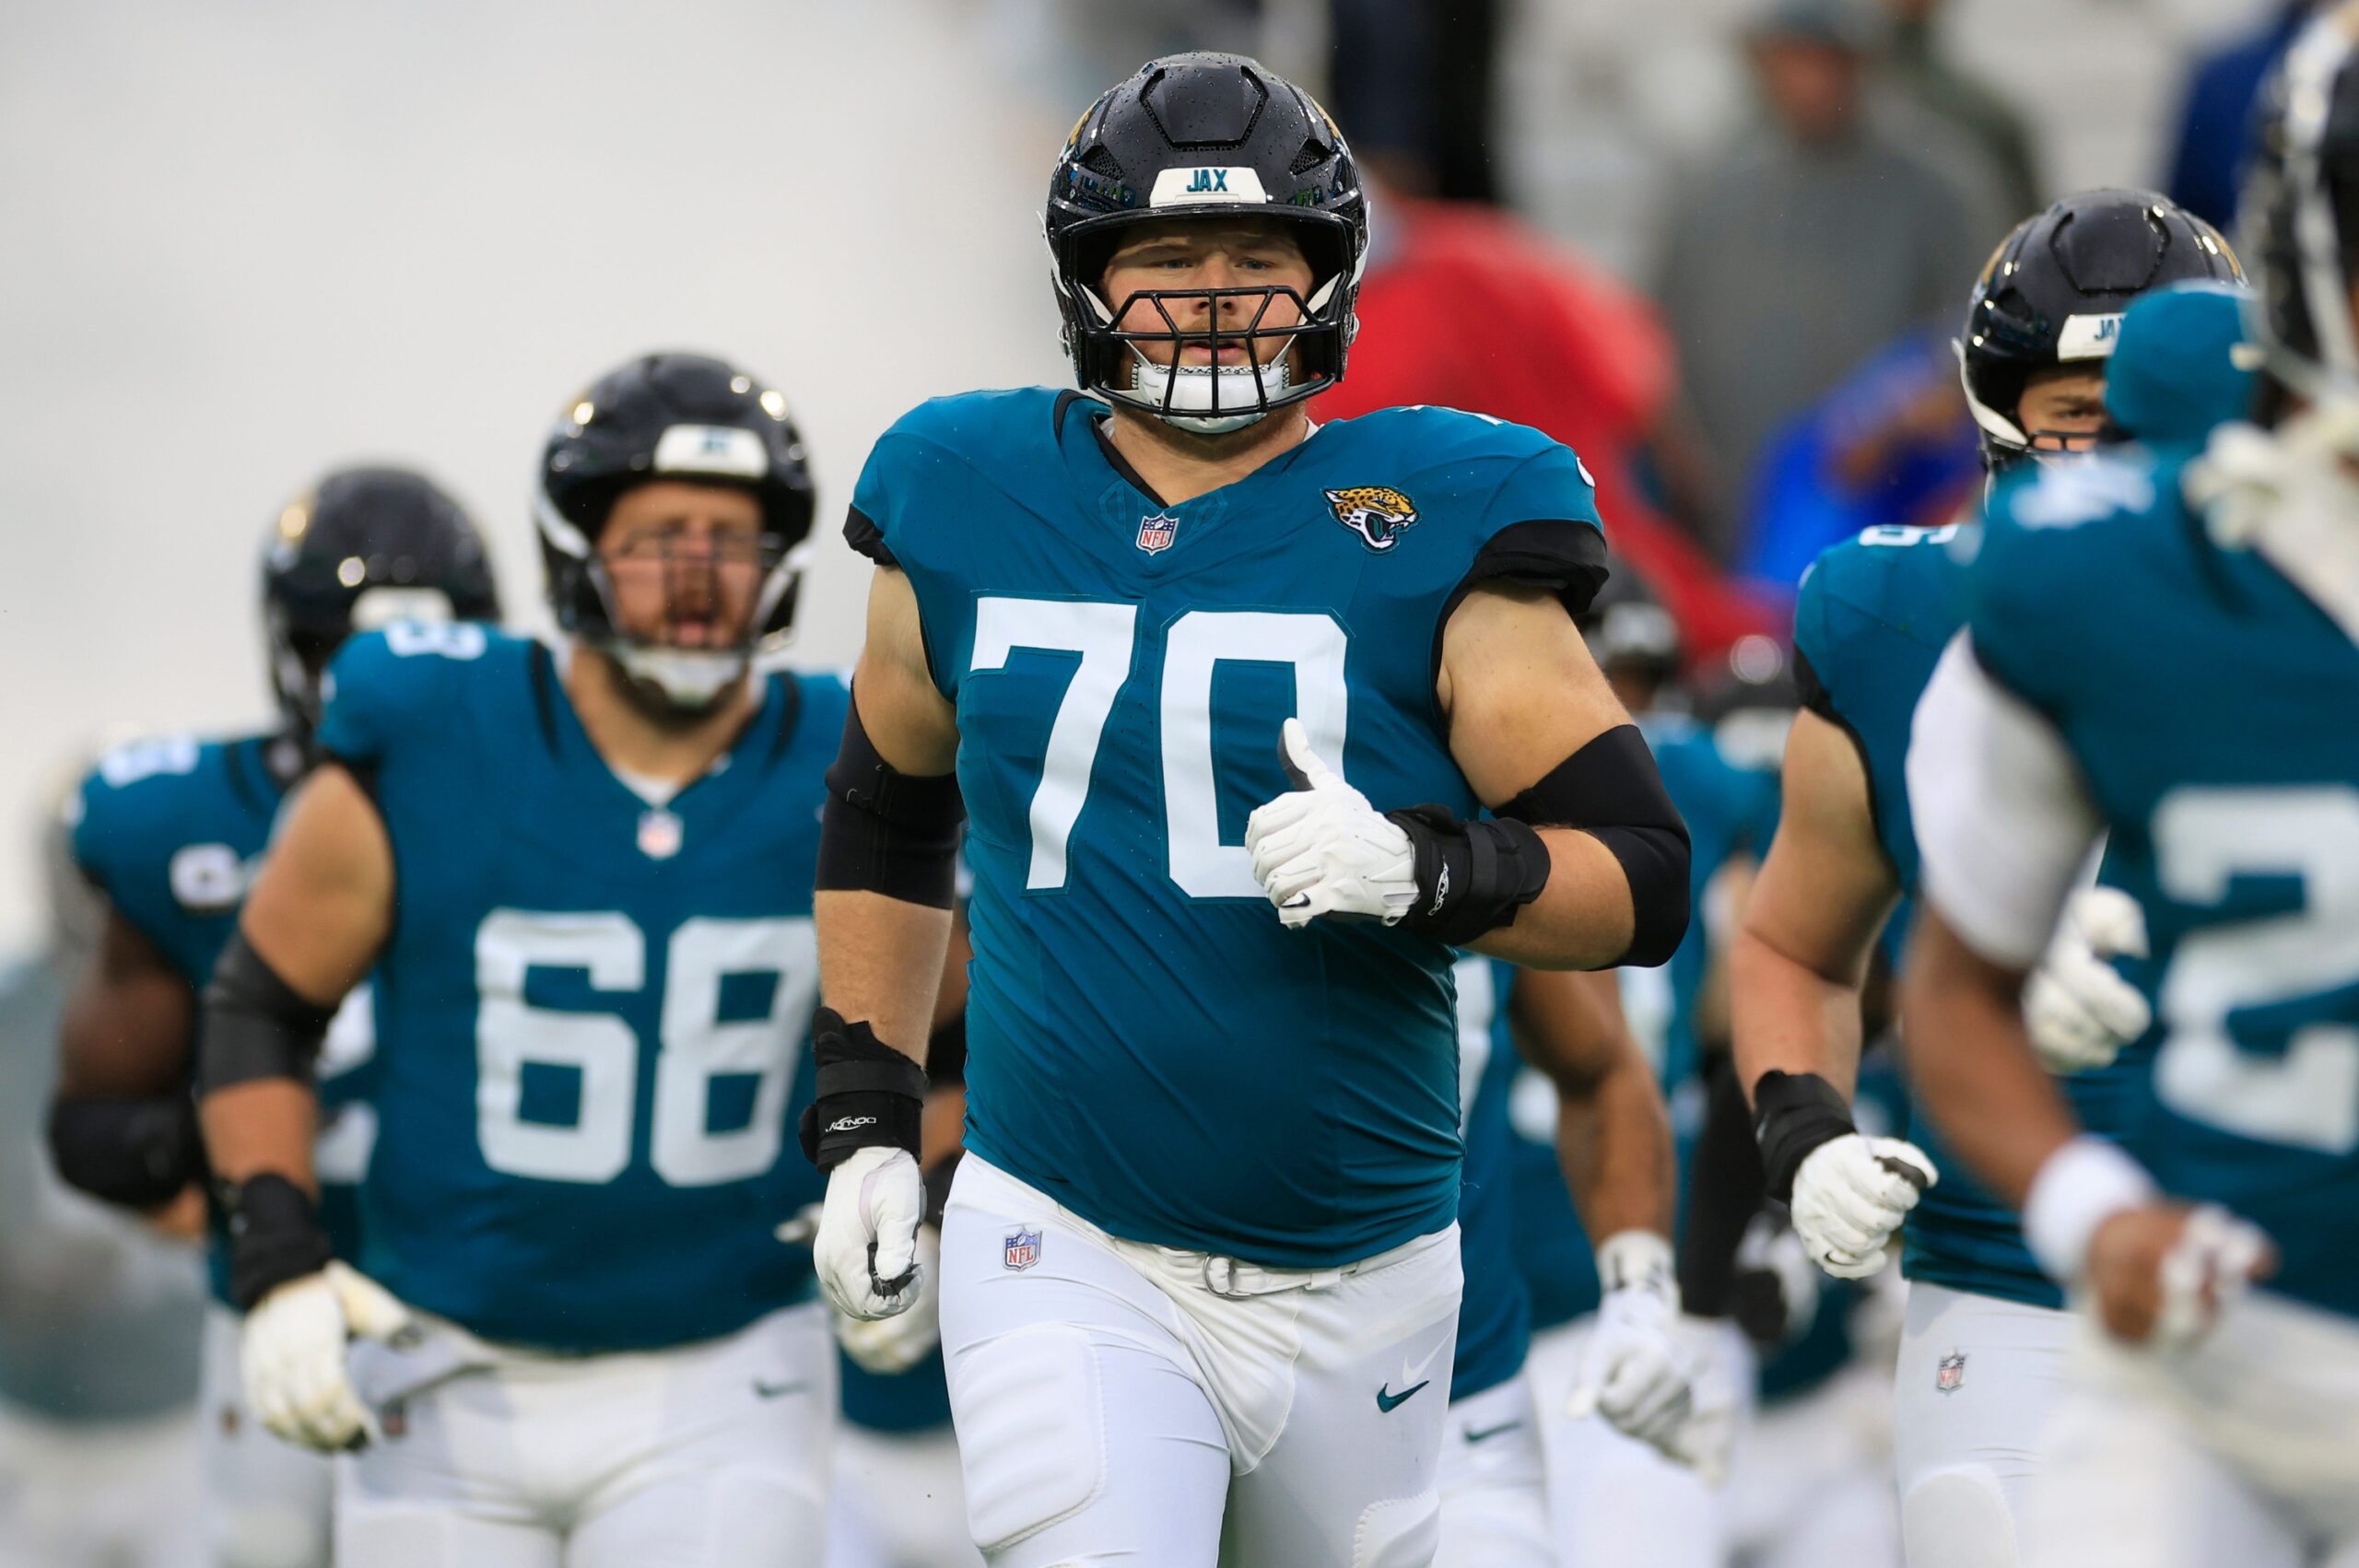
(169, 830)
(2159, 649)
(1984, 1336)
(1213, 1124)
(1616, 1155)
(582, 876)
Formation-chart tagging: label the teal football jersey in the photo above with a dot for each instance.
(1495, 1322)
(593, 1012)
(1874, 614)
(2206, 701)
(1146, 1042)
(1727, 810)
(170, 830)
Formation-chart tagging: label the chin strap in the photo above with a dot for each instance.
(689, 679)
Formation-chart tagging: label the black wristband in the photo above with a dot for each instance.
(1793, 1113)
(865, 1094)
(1471, 876)
(275, 1236)
(138, 1154)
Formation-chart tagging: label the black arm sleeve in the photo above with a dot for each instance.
(1611, 790)
(1726, 1191)
(254, 1023)
(139, 1153)
(884, 831)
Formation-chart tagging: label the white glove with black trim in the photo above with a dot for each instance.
(2079, 1009)
(1632, 1370)
(894, 1345)
(1323, 849)
(867, 1248)
(1851, 1193)
(290, 1355)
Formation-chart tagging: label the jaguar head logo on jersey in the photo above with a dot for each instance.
(1155, 533)
(1022, 1249)
(1378, 514)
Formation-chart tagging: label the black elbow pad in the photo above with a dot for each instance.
(885, 831)
(255, 1024)
(1611, 790)
(138, 1154)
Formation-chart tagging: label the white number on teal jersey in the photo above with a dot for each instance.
(1901, 533)
(440, 639)
(2309, 1098)
(1199, 642)
(693, 1048)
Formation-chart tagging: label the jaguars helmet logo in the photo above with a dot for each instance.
(1378, 514)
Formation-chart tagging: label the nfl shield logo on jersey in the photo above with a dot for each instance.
(1154, 533)
(1023, 1249)
(1950, 1376)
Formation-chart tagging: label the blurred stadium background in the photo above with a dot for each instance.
(249, 241)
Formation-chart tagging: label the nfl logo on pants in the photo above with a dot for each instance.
(1950, 1376)
(1022, 1249)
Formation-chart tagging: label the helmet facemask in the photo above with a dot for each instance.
(682, 617)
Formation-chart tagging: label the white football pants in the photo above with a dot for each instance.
(1121, 1402)
(98, 1495)
(268, 1504)
(1495, 1483)
(1614, 1501)
(1811, 1484)
(2242, 1451)
(897, 1502)
(712, 1454)
(1972, 1391)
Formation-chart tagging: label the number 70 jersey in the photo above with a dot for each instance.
(593, 1012)
(1146, 1041)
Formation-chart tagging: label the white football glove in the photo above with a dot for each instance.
(889, 1345)
(290, 1356)
(2078, 1008)
(1850, 1194)
(2208, 1272)
(1720, 1380)
(1632, 1370)
(867, 1248)
(1323, 849)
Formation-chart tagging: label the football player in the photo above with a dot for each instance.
(1984, 1333)
(2159, 647)
(169, 830)
(1200, 1270)
(582, 875)
(1616, 1148)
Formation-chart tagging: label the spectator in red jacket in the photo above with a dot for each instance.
(1468, 307)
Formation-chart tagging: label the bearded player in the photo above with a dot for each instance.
(1200, 1270)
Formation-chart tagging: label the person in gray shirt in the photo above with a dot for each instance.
(1816, 235)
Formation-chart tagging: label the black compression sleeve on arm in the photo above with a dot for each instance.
(1611, 790)
(138, 1154)
(885, 831)
(1792, 1115)
(1724, 1193)
(255, 1024)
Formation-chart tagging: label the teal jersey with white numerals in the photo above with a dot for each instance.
(1146, 1042)
(2207, 701)
(1495, 1321)
(1873, 617)
(171, 829)
(593, 1012)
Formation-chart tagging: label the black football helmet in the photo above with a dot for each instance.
(684, 416)
(2300, 215)
(363, 547)
(1629, 631)
(1195, 136)
(2054, 291)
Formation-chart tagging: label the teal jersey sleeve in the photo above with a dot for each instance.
(169, 830)
(383, 686)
